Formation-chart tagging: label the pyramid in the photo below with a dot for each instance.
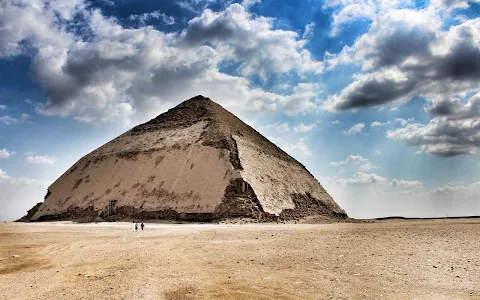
(195, 162)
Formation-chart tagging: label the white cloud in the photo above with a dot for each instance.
(3, 174)
(378, 124)
(154, 15)
(9, 120)
(133, 74)
(361, 178)
(336, 122)
(455, 131)
(308, 32)
(3, 107)
(355, 129)
(406, 183)
(248, 3)
(351, 158)
(357, 159)
(273, 129)
(283, 128)
(299, 147)
(19, 194)
(40, 160)
(449, 5)
(351, 10)
(472, 189)
(367, 167)
(4, 153)
(301, 128)
(243, 37)
(408, 53)
(403, 121)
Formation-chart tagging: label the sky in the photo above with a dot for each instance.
(379, 99)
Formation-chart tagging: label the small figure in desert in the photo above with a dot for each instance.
(136, 226)
(142, 225)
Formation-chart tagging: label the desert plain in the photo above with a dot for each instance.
(393, 259)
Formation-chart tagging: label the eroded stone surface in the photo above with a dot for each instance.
(195, 162)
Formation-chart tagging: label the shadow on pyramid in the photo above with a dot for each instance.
(196, 162)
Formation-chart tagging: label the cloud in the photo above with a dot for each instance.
(351, 158)
(249, 39)
(449, 5)
(275, 128)
(299, 147)
(301, 128)
(248, 3)
(406, 54)
(367, 167)
(9, 120)
(472, 189)
(3, 174)
(355, 129)
(308, 32)
(406, 183)
(283, 128)
(348, 11)
(455, 132)
(361, 178)
(4, 153)
(409, 53)
(3, 107)
(154, 15)
(378, 124)
(133, 74)
(291, 146)
(19, 194)
(336, 122)
(356, 159)
(35, 22)
(403, 121)
(40, 160)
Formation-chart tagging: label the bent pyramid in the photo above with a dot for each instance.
(195, 162)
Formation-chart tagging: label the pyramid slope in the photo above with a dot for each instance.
(196, 162)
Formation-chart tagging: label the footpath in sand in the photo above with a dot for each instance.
(385, 260)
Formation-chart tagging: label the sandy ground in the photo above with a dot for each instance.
(386, 260)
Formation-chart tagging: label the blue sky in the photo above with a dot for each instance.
(380, 100)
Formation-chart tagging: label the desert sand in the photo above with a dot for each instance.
(427, 259)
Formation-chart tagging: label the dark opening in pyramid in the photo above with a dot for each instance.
(195, 162)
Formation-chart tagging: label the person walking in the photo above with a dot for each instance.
(136, 226)
(142, 226)
(133, 226)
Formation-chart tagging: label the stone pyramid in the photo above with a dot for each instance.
(195, 162)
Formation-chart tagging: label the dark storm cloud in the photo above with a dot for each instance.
(444, 107)
(455, 130)
(458, 70)
(432, 61)
(393, 49)
(375, 92)
(442, 66)
(198, 32)
(463, 63)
